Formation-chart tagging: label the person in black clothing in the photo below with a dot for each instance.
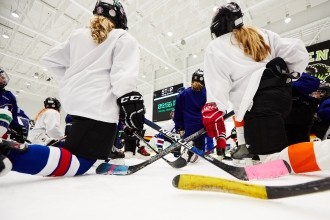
(132, 145)
(299, 122)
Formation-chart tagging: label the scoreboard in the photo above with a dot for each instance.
(164, 102)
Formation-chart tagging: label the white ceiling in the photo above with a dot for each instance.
(45, 23)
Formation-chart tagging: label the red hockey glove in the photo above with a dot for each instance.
(214, 124)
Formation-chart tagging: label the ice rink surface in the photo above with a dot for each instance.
(149, 195)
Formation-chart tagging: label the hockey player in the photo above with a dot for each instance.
(299, 122)
(47, 128)
(97, 68)
(252, 69)
(8, 101)
(169, 126)
(188, 116)
(321, 126)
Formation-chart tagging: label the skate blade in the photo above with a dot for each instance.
(242, 162)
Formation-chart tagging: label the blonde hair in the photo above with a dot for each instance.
(196, 86)
(252, 43)
(100, 28)
(39, 114)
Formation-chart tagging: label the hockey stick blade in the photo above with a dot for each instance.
(113, 169)
(179, 163)
(215, 184)
(272, 169)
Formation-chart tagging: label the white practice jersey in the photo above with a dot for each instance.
(91, 76)
(47, 125)
(225, 62)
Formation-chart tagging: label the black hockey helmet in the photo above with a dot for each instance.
(4, 79)
(52, 103)
(227, 18)
(324, 90)
(113, 11)
(198, 76)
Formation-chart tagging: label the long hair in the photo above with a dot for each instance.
(252, 43)
(196, 86)
(100, 28)
(41, 112)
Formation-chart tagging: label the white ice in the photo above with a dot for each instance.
(149, 195)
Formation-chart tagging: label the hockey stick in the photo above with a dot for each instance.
(215, 184)
(113, 169)
(271, 169)
(56, 141)
(180, 162)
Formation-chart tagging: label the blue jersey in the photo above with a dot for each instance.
(8, 101)
(324, 110)
(188, 107)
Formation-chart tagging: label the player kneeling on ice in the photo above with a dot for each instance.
(188, 116)
(253, 69)
(97, 82)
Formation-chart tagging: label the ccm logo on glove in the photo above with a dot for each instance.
(131, 98)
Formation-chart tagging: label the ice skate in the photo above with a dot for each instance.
(190, 157)
(116, 153)
(7, 145)
(241, 156)
(142, 153)
(117, 156)
(221, 154)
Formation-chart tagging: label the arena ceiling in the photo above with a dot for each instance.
(166, 59)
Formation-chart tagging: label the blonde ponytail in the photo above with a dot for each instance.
(252, 43)
(100, 28)
(196, 86)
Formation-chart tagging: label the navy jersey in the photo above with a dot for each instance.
(8, 101)
(188, 106)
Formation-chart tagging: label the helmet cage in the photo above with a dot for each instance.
(227, 18)
(114, 12)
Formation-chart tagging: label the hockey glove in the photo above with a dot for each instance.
(214, 124)
(18, 133)
(132, 110)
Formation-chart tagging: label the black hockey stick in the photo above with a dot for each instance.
(113, 169)
(180, 162)
(215, 184)
(52, 143)
(271, 169)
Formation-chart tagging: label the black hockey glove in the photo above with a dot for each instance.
(19, 134)
(132, 110)
(280, 69)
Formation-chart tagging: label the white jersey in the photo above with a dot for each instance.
(235, 77)
(47, 127)
(93, 76)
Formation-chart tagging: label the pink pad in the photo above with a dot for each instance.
(268, 170)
